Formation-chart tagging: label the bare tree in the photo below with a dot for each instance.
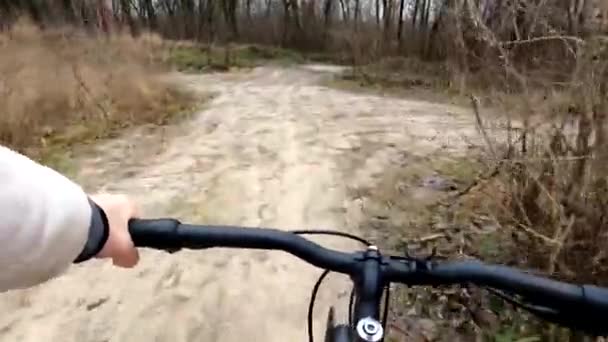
(229, 10)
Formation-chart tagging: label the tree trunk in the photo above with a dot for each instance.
(426, 13)
(126, 12)
(68, 11)
(233, 22)
(378, 12)
(6, 14)
(210, 23)
(34, 11)
(141, 12)
(425, 24)
(387, 10)
(295, 13)
(344, 7)
(435, 46)
(86, 16)
(586, 16)
(268, 8)
(116, 10)
(187, 13)
(421, 15)
(229, 9)
(200, 22)
(400, 25)
(327, 13)
(415, 14)
(357, 13)
(104, 16)
(286, 22)
(151, 15)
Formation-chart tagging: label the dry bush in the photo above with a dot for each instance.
(555, 167)
(62, 85)
(508, 46)
(558, 179)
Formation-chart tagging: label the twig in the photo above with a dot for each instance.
(530, 231)
(556, 159)
(543, 188)
(560, 238)
(480, 178)
(482, 130)
(500, 161)
(83, 85)
(540, 39)
(431, 237)
(542, 237)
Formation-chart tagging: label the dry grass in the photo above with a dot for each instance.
(64, 86)
(557, 179)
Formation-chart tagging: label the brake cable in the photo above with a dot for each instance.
(315, 289)
(311, 304)
(351, 301)
(387, 290)
(329, 232)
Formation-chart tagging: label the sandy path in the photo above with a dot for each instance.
(274, 148)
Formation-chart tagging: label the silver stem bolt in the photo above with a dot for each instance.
(370, 329)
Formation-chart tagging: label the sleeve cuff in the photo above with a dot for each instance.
(99, 231)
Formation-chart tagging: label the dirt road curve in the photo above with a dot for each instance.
(274, 148)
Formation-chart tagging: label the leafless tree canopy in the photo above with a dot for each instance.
(426, 27)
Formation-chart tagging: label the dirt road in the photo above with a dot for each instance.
(273, 148)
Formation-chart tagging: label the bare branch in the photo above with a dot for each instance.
(576, 40)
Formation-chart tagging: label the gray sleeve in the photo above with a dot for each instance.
(45, 220)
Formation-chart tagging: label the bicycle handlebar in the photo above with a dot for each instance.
(171, 235)
(583, 306)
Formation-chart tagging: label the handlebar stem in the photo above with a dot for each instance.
(369, 285)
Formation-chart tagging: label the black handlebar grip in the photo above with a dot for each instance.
(162, 234)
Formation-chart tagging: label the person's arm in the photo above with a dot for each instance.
(47, 222)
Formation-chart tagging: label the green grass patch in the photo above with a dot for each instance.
(213, 58)
(402, 77)
(460, 169)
